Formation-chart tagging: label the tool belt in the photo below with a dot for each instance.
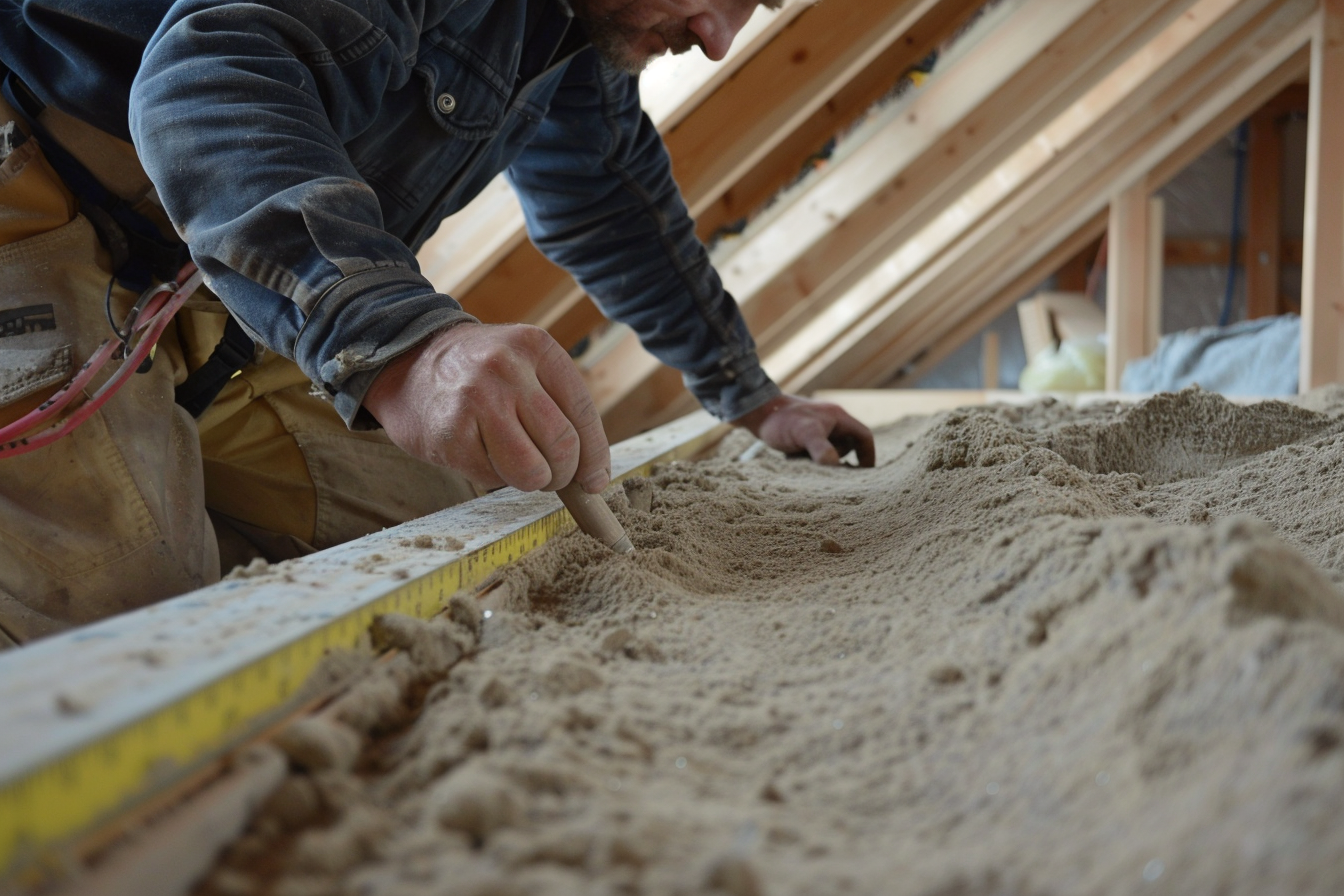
(139, 251)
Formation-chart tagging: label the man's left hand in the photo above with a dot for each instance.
(822, 430)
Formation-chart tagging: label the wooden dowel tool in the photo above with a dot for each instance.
(595, 518)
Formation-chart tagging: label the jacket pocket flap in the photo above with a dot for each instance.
(466, 101)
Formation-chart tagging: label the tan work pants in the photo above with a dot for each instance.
(114, 516)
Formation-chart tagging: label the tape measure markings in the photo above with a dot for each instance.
(91, 784)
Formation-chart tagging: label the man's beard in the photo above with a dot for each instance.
(615, 39)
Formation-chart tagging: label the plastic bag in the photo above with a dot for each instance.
(1077, 365)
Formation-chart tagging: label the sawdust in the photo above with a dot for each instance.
(1036, 651)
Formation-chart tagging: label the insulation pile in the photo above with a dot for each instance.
(1037, 650)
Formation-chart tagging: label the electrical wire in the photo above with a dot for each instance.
(151, 315)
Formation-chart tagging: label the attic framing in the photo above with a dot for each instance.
(1059, 121)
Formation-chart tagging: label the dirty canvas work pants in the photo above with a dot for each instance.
(141, 502)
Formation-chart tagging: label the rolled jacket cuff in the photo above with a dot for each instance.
(731, 395)
(360, 324)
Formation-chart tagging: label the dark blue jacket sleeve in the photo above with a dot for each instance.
(597, 190)
(239, 113)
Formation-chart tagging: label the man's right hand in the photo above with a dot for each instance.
(501, 404)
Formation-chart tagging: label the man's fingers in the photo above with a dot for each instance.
(857, 438)
(512, 453)
(821, 450)
(553, 435)
(562, 382)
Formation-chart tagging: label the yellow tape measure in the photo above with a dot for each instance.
(77, 791)
(74, 793)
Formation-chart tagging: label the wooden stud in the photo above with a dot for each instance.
(1152, 294)
(989, 360)
(1127, 282)
(919, 325)
(1323, 249)
(1264, 188)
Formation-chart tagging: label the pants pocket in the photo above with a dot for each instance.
(111, 516)
(72, 504)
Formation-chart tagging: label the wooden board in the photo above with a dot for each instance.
(1322, 261)
(1226, 59)
(972, 114)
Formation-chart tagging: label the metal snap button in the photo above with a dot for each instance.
(446, 103)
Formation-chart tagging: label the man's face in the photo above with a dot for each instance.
(630, 33)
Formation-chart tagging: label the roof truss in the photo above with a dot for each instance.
(1052, 120)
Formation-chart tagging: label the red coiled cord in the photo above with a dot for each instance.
(151, 314)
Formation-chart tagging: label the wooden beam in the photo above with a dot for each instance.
(806, 65)
(1215, 251)
(1157, 230)
(776, 170)
(1323, 250)
(569, 315)
(1264, 226)
(947, 333)
(1135, 253)
(1040, 188)
(922, 328)
(989, 360)
(948, 337)
(970, 116)
(1086, 153)
(969, 119)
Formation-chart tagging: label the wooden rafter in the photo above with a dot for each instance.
(1178, 97)
(1085, 239)
(968, 122)
(972, 115)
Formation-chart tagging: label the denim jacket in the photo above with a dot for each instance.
(305, 149)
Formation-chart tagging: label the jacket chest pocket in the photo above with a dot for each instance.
(468, 101)
(427, 132)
